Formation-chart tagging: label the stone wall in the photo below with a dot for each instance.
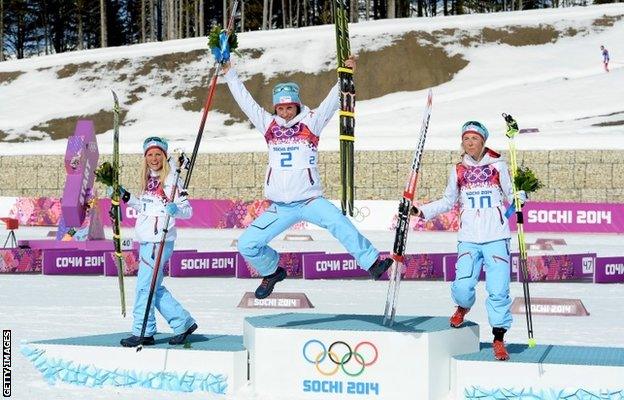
(579, 175)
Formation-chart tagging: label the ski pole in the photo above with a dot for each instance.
(512, 131)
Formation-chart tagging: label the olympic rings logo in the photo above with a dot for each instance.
(279, 131)
(360, 214)
(478, 174)
(341, 355)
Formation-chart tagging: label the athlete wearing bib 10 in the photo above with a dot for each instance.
(480, 183)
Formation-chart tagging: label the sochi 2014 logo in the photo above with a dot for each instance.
(340, 356)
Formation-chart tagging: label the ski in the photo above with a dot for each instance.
(347, 106)
(512, 131)
(115, 211)
(403, 220)
(188, 165)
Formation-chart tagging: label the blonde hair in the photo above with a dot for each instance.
(162, 174)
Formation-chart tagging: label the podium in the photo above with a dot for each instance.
(213, 363)
(334, 356)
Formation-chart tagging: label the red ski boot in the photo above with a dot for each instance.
(500, 352)
(458, 318)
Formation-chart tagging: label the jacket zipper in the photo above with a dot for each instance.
(269, 175)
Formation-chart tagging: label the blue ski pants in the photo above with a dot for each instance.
(253, 243)
(176, 316)
(495, 256)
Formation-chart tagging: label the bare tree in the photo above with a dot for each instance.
(79, 11)
(196, 17)
(265, 12)
(225, 13)
(1, 30)
(391, 9)
(201, 17)
(242, 29)
(180, 31)
(143, 21)
(187, 20)
(103, 33)
(170, 20)
(153, 22)
(353, 11)
(283, 13)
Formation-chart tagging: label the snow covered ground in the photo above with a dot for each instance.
(42, 307)
(559, 88)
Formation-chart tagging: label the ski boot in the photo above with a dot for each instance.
(181, 338)
(457, 319)
(498, 346)
(134, 341)
(379, 267)
(268, 283)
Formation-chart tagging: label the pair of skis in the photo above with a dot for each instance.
(109, 175)
(403, 220)
(347, 107)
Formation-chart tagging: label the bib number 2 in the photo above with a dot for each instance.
(286, 160)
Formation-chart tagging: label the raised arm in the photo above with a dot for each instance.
(331, 104)
(258, 116)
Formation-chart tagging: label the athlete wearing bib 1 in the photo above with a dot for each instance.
(153, 205)
(292, 180)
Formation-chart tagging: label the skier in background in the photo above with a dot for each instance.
(605, 58)
(153, 205)
(480, 182)
(292, 180)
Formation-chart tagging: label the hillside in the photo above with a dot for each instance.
(542, 66)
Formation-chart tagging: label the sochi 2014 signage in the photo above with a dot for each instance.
(339, 362)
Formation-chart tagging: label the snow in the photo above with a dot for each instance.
(558, 87)
(39, 307)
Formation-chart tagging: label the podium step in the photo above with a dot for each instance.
(574, 372)
(212, 363)
(336, 356)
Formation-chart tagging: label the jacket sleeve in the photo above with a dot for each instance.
(325, 110)
(134, 202)
(258, 116)
(505, 181)
(448, 200)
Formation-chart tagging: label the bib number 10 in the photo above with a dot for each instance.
(484, 201)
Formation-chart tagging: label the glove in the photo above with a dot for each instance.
(222, 53)
(123, 193)
(171, 209)
(415, 211)
(522, 196)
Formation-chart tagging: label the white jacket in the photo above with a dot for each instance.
(480, 187)
(292, 173)
(150, 206)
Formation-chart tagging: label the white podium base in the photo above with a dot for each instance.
(324, 356)
(543, 372)
(213, 363)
